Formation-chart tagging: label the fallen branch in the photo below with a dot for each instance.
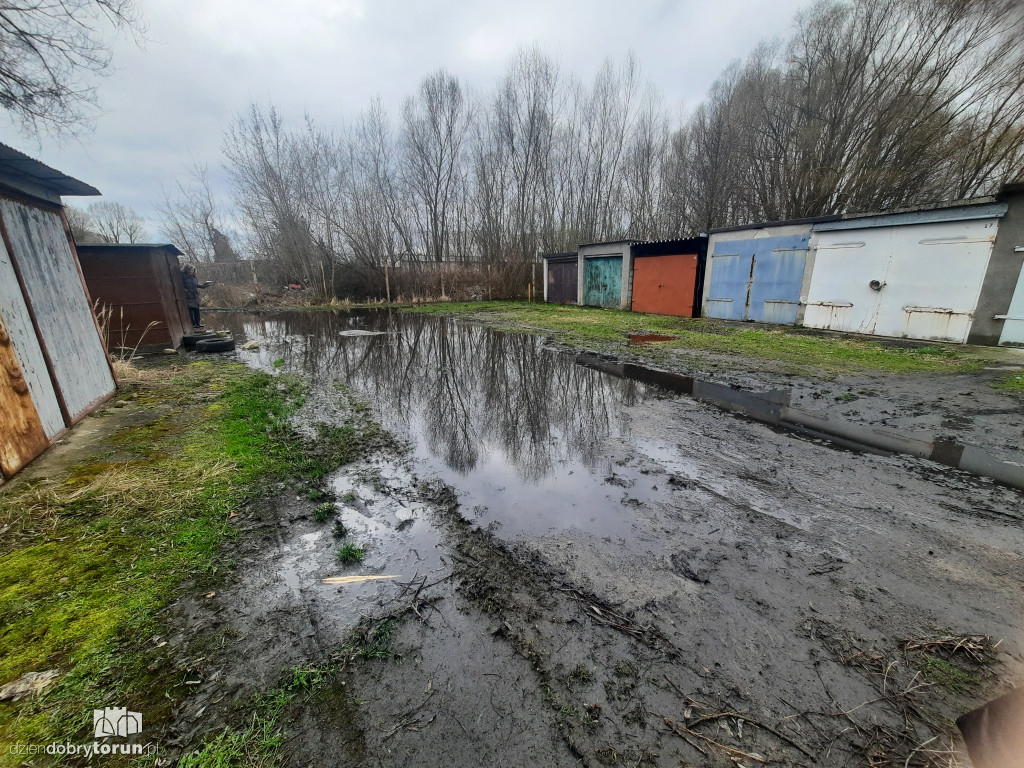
(356, 579)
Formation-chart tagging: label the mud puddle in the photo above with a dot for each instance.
(636, 577)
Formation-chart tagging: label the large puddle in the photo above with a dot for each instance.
(522, 429)
(518, 428)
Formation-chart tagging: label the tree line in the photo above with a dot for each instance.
(868, 105)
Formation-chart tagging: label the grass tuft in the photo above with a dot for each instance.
(350, 554)
(323, 511)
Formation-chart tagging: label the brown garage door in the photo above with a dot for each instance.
(665, 285)
(562, 281)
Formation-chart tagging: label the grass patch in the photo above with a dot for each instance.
(350, 554)
(323, 511)
(607, 329)
(1010, 384)
(373, 640)
(91, 554)
(258, 744)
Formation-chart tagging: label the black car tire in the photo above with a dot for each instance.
(189, 340)
(215, 345)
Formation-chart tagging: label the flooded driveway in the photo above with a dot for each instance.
(632, 576)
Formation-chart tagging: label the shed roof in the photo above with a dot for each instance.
(672, 247)
(18, 167)
(566, 256)
(611, 242)
(785, 223)
(981, 208)
(98, 247)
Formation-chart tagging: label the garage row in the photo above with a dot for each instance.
(951, 273)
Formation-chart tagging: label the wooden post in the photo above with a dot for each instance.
(490, 297)
(387, 283)
(534, 281)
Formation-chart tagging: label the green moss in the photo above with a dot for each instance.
(90, 557)
(794, 347)
(952, 678)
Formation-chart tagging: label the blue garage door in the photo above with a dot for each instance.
(758, 279)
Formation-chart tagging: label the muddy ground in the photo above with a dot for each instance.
(593, 571)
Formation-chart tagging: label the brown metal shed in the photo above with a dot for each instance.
(139, 285)
(54, 367)
(668, 276)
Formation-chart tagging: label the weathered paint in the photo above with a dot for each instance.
(665, 285)
(561, 277)
(17, 321)
(778, 274)
(139, 286)
(603, 281)
(1013, 325)
(58, 297)
(21, 433)
(758, 279)
(917, 281)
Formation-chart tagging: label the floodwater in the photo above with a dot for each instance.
(638, 552)
(517, 427)
(492, 409)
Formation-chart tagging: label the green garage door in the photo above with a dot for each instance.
(603, 282)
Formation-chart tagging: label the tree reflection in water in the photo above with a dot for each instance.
(469, 393)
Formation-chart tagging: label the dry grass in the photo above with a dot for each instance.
(125, 372)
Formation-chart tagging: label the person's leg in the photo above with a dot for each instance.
(194, 313)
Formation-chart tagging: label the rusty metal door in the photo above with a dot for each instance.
(17, 321)
(665, 285)
(59, 300)
(22, 437)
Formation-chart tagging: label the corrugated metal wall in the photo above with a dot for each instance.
(757, 279)
(58, 298)
(916, 281)
(138, 288)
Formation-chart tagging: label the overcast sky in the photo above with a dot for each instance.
(168, 104)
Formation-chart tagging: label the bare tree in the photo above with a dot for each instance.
(117, 223)
(434, 127)
(83, 230)
(49, 51)
(191, 219)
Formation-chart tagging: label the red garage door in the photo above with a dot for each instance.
(665, 285)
